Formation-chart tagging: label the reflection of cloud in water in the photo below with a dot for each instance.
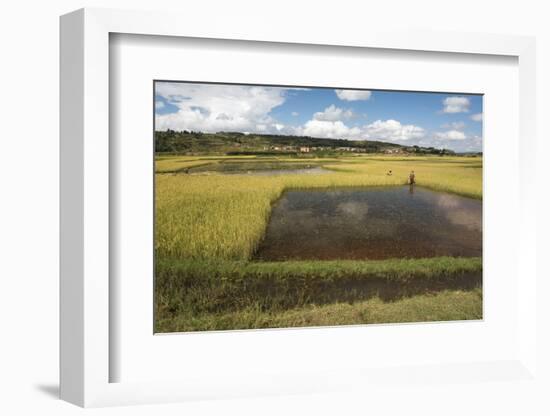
(466, 218)
(369, 223)
(447, 201)
(353, 210)
(289, 221)
(460, 212)
(334, 219)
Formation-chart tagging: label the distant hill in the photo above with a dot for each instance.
(235, 143)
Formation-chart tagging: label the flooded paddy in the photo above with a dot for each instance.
(260, 168)
(372, 223)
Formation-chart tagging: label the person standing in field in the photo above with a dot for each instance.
(412, 178)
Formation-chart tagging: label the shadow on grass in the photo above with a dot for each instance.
(274, 294)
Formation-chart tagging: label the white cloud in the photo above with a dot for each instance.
(387, 130)
(295, 113)
(455, 125)
(212, 108)
(332, 113)
(456, 104)
(159, 105)
(454, 141)
(450, 135)
(353, 95)
(477, 117)
(392, 130)
(329, 130)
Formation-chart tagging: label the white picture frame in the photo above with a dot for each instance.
(86, 356)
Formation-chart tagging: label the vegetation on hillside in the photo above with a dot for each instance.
(232, 143)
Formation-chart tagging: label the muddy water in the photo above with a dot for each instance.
(372, 223)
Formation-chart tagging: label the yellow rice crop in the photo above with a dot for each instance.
(224, 216)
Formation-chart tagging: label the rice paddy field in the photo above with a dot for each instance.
(210, 223)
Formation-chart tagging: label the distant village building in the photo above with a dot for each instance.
(305, 149)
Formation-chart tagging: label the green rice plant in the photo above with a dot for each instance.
(168, 164)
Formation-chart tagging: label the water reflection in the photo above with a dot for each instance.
(259, 168)
(373, 223)
(278, 172)
(459, 213)
(353, 210)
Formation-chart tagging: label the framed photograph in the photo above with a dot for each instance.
(285, 206)
(259, 215)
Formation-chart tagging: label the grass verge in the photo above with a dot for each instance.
(449, 305)
(196, 288)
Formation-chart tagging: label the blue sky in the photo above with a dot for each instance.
(452, 121)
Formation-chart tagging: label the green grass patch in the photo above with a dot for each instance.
(195, 288)
(448, 305)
